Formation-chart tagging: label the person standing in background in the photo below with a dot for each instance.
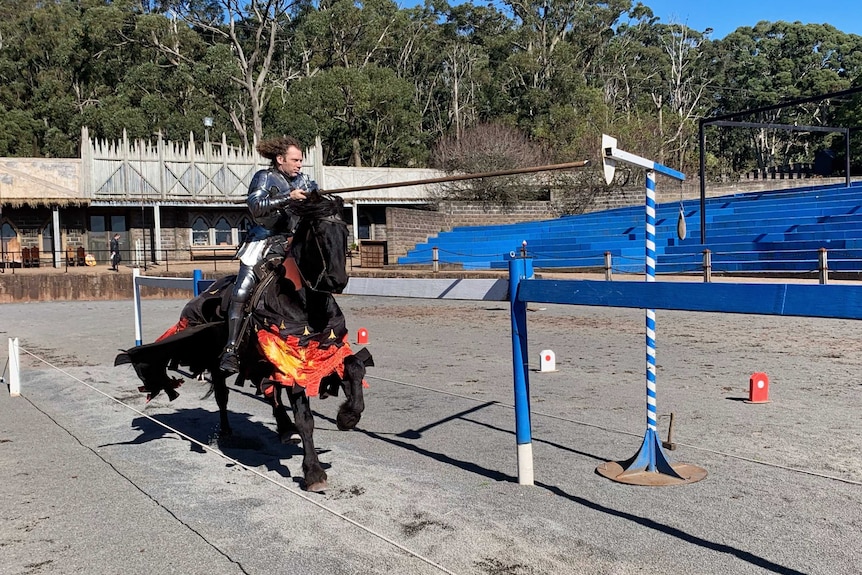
(115, 252)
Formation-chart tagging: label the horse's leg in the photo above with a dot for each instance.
(287, 432)
(221, 391)
(315, 476)
(351, 410)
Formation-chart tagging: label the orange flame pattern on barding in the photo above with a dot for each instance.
(302, 366)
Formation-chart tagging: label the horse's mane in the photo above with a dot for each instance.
(317, 206)
(319, 244)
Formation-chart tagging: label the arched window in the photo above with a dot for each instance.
(244, 227)
(223, 232)
(200, 232)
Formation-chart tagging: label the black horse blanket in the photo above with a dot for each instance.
(301, 333)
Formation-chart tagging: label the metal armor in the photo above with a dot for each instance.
(267, 200)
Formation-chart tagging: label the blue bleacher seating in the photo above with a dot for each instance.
(778, 231)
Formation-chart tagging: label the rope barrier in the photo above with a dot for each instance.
(252, 470)
(536, 412)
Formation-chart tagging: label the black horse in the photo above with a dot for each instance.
(295, 341)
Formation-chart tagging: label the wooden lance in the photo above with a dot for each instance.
(460, 177)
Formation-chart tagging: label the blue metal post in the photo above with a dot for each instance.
(518, 270)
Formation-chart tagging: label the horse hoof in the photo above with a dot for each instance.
(291, 439)
(347, 420)
(318, 487)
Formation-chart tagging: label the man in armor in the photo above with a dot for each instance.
(268, 196)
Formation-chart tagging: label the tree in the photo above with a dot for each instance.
(778, 61)
(256, 31)
(489, 148)
(683, 86)
(365, 116)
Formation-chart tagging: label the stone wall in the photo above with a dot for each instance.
(408, 227)
(59, 286)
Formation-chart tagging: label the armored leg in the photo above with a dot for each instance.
(242, 289)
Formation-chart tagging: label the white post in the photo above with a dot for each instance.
(355, 209)
(14, 368)
(137, 301)
(157, 225)
(58, 238)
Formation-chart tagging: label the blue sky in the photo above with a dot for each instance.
(725, 16)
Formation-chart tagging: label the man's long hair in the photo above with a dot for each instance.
(273, 147)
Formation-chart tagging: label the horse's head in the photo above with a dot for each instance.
(319, 244)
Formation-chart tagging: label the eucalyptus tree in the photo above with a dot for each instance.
(448, 53)
(547, 80)
(354, 98)
(61, 63)
(680, 93)
(775, 62)
(365, 116)
(20, 130)
(258, 35)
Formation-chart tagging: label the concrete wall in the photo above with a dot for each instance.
(58, 286)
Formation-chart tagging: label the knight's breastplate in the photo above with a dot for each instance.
(266, 185)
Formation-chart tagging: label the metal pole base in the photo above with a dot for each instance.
(650, 467)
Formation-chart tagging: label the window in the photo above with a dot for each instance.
(223, 233)
(364, 228)
(8, 240)
(98, 224)
(101, 223)
(48, 238)
(200, 232)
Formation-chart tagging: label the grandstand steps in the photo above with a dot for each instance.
(767, 231)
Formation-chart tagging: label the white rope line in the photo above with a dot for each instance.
(215, 451)
(613, 430)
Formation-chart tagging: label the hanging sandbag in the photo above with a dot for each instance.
(680, 224)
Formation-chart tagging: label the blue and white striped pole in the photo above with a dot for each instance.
(650, 313)
(651, 456)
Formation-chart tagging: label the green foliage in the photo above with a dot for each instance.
(364, 116)
(381, 85)
(19, 133)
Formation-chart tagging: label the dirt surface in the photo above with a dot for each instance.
(428, 483)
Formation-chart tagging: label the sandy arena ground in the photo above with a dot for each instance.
(428, 483)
